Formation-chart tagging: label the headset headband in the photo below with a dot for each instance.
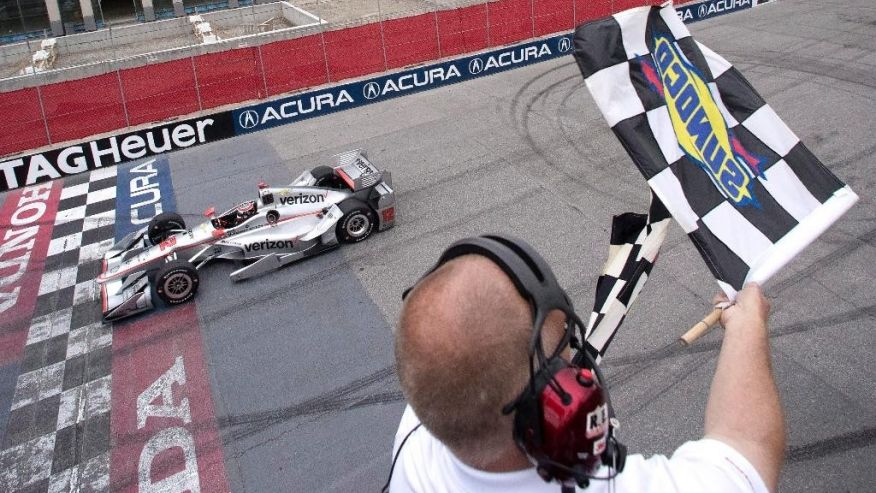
(531, 275)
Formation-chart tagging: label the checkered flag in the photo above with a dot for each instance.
(743, 187)
(635, 243)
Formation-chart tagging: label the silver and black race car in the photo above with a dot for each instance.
(322, 208)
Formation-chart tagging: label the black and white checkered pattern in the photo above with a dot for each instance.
(797, 197)
(635, 243)
(58, 435)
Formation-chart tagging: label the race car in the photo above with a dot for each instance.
(326, 206)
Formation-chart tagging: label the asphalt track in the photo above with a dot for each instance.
(299, 362)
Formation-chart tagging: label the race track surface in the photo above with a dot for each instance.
(286, 382)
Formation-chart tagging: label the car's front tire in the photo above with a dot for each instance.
(163, 225)
(357, 222)
(176, 282)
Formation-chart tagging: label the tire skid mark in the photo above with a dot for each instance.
(677, 349)
(337, 399)
(797, 63)
(827, 261)
(836, 444)
(585, 156)
(521, 124)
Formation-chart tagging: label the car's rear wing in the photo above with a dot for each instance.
(355, 169)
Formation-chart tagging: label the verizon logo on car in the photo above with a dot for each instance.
(269, 245)
(302, 199)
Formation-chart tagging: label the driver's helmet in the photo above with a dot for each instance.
(246, 209)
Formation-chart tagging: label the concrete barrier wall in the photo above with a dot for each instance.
(297, 16)
(134, 95)
(18, 53)
(133, 34)
(248, 15)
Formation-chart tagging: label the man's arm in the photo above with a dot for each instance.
(744, 410)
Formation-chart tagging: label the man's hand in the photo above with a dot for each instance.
(744, 410)
(748, 313)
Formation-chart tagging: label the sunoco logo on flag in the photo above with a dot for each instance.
(698, 124)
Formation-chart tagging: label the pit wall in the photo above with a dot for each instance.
(46, 115)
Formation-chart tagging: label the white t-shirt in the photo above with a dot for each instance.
(425, 465)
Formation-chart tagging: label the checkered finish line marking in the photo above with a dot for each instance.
(82, 418)
(58, 434)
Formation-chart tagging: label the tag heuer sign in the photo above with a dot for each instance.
(110, 151)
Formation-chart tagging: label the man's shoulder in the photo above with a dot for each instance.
(701, 465)
(425, 464)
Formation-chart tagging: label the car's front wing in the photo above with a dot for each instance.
(127, 296)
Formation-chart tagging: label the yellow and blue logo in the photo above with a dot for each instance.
(698, 124)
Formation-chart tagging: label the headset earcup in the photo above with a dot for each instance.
(527, 424)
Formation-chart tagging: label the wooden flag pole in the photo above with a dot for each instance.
(701, 327)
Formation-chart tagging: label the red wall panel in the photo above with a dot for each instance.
(619, 5)
(155, 92)
(509, 21)
(22, 124)
(588, 10)
(229, 77)
(551, 16)
(83, 107)
(410, 40)
(294, 64)
(354, 51)
(462, 30)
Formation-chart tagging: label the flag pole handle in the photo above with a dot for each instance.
(701, 327)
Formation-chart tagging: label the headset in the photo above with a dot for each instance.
(563, 419)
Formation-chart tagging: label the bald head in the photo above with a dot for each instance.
(462, 353)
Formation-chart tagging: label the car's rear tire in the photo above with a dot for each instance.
(162, 226)
(176, 282)
(357, 222)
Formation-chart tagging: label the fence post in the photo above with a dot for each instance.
(489, 37)
(43, 113)
(328, 75)
(197, 84)
(124, 98)
(382, 39)
(262, 68)
(438, 32)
